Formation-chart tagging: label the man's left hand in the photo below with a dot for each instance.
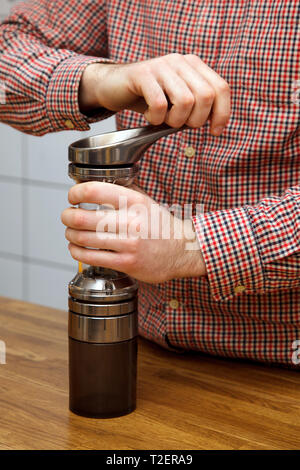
(137, 236)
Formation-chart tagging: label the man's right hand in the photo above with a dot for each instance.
(174, 89)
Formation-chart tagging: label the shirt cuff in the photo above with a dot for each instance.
(62, 95)
(230, 253)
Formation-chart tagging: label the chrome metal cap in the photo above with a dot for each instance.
(101, 285)
(103, 330)
(117, 148)
(122, 176)
(103, 309)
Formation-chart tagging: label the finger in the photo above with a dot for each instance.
(155, 99)
(106, 259)
(135, 187)
(94, 192)
(141, 191)
(221, 108)
(179, 95)
(97, 221)
(81, 219)
(90, 239)
(203, 93)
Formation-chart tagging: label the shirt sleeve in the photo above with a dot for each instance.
(253, 249)
(45, 46)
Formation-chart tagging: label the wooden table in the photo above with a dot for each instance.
(184, 401)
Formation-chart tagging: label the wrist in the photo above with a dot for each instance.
(88, 97)
(190, 261)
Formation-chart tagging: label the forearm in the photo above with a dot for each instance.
(41, 65)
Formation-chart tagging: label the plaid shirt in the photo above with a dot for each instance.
(248, 305)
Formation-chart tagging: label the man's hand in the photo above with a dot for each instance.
(175, 89)
(139, 237)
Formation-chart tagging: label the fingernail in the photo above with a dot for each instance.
(217, 130)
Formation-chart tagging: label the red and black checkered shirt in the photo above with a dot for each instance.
(248, 305)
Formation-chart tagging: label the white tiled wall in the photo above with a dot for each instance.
(11, 278)
(11, 144)
(47, 156)
(48, 285)
(5, 5)
(11, 216)
(45, 232)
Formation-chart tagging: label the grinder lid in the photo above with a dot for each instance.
(124, 147)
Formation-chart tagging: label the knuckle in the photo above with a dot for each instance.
(208, 97)
(222, 118)
(193, 123)
(193, 58)
(82, 238)
(120, 262)
(128, 261)
(71, 195)
(139, 199)
(159, 104)
(187, 100)
(79, 219)
(223, 86)
(73, 252)
(67, 234)
(174, 55)
(144, 68)
(63, 216)
(133, 245)
(90, 190)
(175, 122)
(88, 257)
(156, 120)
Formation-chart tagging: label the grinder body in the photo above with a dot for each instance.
(102, 343)
(102, 325)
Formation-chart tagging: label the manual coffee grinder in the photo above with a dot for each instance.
(103, 303)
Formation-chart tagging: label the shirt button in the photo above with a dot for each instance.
(189, 152)
(238, 289)
(174, 303)
(69, 124)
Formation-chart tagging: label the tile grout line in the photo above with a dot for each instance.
(37, 261)
(24, 166)
(31, 182)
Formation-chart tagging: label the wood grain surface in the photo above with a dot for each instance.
(188, 401)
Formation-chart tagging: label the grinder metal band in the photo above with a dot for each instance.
(103, 330)
(122, 176)
(102, 310)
